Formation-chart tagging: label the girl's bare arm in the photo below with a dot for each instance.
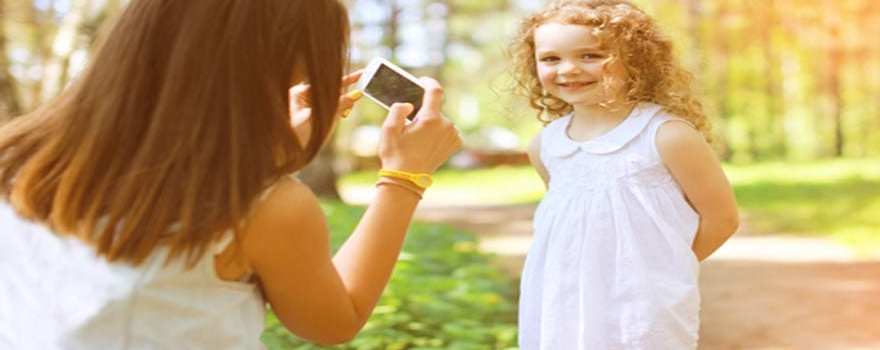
(697, 170)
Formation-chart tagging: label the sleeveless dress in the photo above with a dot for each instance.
(55, 293)
(611, 265)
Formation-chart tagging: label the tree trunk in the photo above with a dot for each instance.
(775, 106)
(724, 86)
(320, 174)
(694, 21)
(834, 90)
(10, 104)
(869, 21)
(440, 69)
(835, 61)
(391, 40)
(62, 47)
(41, 28)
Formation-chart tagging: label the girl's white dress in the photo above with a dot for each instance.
(611, 265)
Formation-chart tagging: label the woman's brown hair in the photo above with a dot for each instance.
(179, 122)
(654, 73)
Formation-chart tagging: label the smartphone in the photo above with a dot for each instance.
(386, 83)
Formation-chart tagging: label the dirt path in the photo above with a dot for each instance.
(759, 292)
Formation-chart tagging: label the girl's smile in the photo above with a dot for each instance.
(575, 85)
(571, 61)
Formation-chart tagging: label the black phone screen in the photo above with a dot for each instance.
(390, 87)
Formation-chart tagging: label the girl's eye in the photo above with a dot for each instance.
(593, 56)
(549, 59)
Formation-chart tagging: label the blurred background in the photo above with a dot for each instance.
(793, 91)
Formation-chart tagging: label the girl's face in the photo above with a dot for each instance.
(571, 65)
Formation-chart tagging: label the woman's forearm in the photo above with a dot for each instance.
(365, 261)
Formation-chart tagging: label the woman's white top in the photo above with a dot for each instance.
(611, 265)
(55, 293)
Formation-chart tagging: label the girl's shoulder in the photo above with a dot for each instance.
(672, 134)
(671, 125)
(664, 116)
(666, 126)
(560, 122)
(552, 140)
(555, 127)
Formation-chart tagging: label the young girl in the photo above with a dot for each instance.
(636, 197)
(150, 207)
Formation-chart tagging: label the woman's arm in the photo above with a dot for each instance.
(323, 299)
(328, 299)
(697, 170)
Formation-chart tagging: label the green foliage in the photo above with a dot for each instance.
(443, 295)
(499, 185)
(839, 198)
(776, 79)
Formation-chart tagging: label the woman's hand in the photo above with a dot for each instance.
(301, 110)
(426, 143)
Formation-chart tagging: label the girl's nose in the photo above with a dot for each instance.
(567, 67)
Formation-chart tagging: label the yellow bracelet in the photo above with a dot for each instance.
(400, 184)
(421, 180)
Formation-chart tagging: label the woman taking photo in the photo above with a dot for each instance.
(150, 205)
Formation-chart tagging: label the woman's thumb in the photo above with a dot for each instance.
(397, 117)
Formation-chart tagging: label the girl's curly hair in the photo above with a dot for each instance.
(654, 74)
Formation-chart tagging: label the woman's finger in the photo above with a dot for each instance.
(352, 78)
(396, 120)
(432, 100)
(347, 101)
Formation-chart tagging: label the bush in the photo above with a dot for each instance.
(443, 294)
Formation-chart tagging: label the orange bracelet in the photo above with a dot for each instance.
(401, 184)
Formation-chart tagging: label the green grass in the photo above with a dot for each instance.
(830, 198)
(836, 198)
(444, 294)
(505, 185)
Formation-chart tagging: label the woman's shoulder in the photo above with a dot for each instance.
(288, 220)
(283, 200)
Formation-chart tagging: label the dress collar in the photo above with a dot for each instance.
(560, 145)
